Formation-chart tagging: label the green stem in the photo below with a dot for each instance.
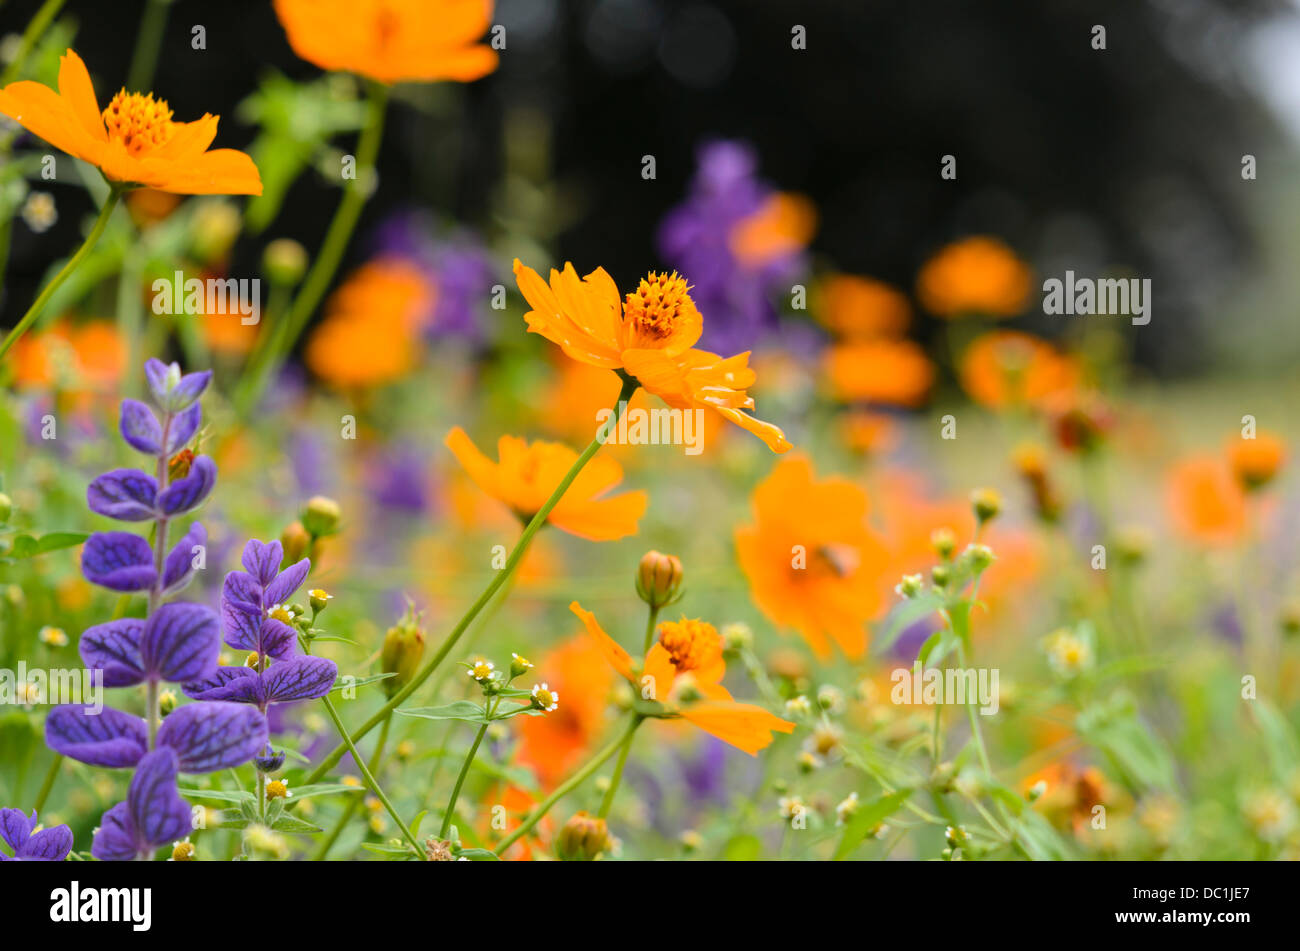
(460, 781)
(144, 60)
(369, 778)
(573, 782)
(650, 627)
(607, 802)
(976, 734)
(354, 801)
(46, 786)
(317, 281)
(35, 27)
(34, 311)
(516, 556)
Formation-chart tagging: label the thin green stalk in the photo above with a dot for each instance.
(354, 801)
(50, 777)
(607, 802)
(370, 779)
(460, 781)
(317, 281)
(516, 556)
(35, 27)
(974, 723)
(573, 782)
(144, 60)
(34, 311)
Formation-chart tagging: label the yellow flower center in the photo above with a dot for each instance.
(655, 308)
(183, 852)
(275, 789)
(544, 698)
(691, 643)
(139, 122)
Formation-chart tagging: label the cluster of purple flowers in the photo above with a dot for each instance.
(695, 237)
(177, 642)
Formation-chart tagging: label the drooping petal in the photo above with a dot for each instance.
(184, 425)
(118, 561)
(219, 172)
(107, 738)
(286, 583)
(158, 813)
(210, 735)
(115, 839)
(618, 658)
(128, 495)
(237, 684)
(188, 493)
(299, 678)
(181, 642)
(262, 560)
(744, 725)
(16, 828)
(179, 568)
(140, 427)
(48, 845)
(114, 648)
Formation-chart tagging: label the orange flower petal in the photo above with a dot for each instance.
(743, 725)
(618, 658)
(76, 90)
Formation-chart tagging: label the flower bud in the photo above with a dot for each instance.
(319, 599)
(402, 651)
(216, 225)
(1290, 618)
(320, 516)
(284, 261)
(296, 542)
(658, 578)
(944, 542)
(583, 839)
(909, 587)
(269, 761)
(987, 503)
(978, 557)
(738, 636)
(166, 702)
(519, 665)
(6, 507)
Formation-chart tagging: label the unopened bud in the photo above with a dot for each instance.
(6, 507)
(987, 503)
(402, 651)
(582, 839)
(296, 542)
(658, 578)
(285, 261)
(321, 516)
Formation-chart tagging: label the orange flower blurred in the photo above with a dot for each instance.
(1256, 461)
(859, 308)
(528, 473)
(1205, 501)
(688, 654)
(554, 745)
(811, 560)
(1009, 368)
(784, 224)
(134, 140)
(88, 357)
(371, 331)
(392, 41)
(978, 275)
(868, 432)
(892, 372)
(650, 337)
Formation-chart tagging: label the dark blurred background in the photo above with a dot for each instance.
(1128, 157)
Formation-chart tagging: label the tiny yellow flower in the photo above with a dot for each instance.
(544, 698)
(53, 636)
(277, 789)
(482, 670)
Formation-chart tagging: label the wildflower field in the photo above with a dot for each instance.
(433, 430)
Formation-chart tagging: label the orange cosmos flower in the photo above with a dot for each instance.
(134, 141)
(371, 331)
(1009, 368)
(688, 656)
(977, 275)
(893, 372)
(85, 357)
(1256, 461)
(527, 473)
(1206, 503)
(650, 336)
(392, 41)
(861, 308)
(783, 225)
(812, 562)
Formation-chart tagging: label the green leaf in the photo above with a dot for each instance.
(391, 853)
(742, 848)
(459, 710)
(1132, 747)
(287, 823)
(478, 855)
(219, 795)
(28, 546)
(321, 789)
(347, 680)
(519, 711)
(902, 617)
(867, 818)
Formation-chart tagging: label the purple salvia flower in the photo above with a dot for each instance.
(171, 390)
(153, 815)
(48, 845)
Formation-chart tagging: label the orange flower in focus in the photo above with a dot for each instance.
(893, 372)
(392, 41)
(81, 357)
(650, 336)
(528, 473)
(688, 655)
(784, 224)
(1009, 368)
(861, 308)
(134, 140)
(371, 331)
(554, 745)
(1257, 460)
(977, 275)
(1205, 501)
(812, 562)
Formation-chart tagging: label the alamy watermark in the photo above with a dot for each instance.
(1084, 296)
(954, 685)
(33, 687)
(653, 427)
(215, 295)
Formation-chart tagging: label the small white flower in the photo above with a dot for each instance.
(482, 670)
(544, 698)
